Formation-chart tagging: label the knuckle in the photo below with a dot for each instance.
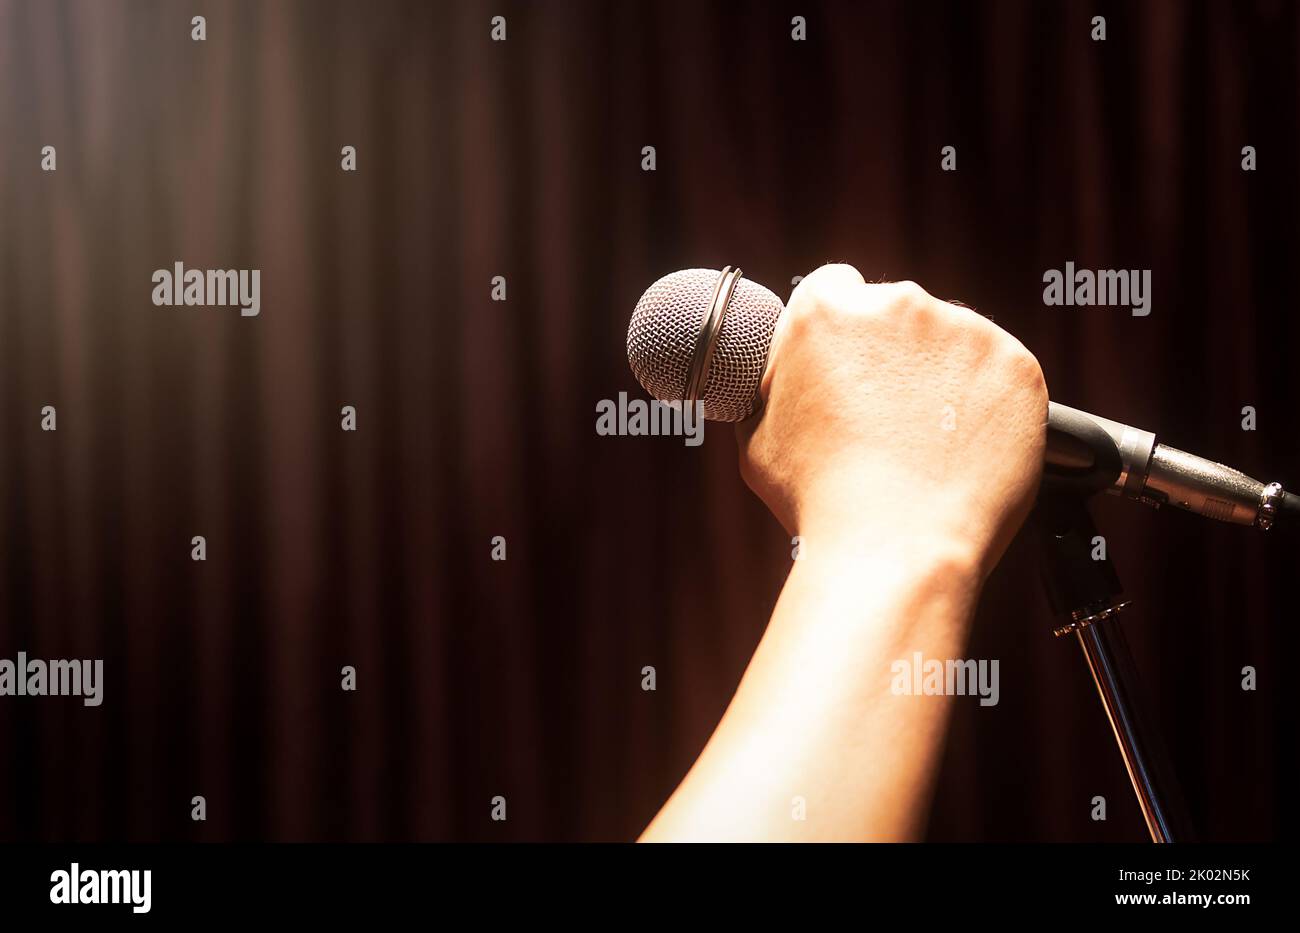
(1027, 372)
(827, 284)
(894, 300)
(909, 299)
(824, 295)
(910, 290)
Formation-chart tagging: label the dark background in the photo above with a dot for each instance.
(476, 418)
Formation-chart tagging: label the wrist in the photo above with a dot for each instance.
(847, 540)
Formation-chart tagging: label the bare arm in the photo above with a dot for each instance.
(901, 439)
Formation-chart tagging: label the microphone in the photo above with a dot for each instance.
(700, 335)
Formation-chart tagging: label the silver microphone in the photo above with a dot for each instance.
(704, 335)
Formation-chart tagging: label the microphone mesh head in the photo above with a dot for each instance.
(666, 324)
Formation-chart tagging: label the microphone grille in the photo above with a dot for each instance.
(666, 324)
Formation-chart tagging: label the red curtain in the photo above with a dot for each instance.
(521, 678)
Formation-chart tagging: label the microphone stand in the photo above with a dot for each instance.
(1087, 597)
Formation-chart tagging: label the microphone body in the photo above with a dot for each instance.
(1090, 452)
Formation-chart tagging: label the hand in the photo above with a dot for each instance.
(902, 438)
(888, 412)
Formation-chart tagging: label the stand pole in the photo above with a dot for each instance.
(1087, 596)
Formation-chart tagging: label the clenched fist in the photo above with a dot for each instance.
(886, 410)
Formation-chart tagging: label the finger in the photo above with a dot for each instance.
(829, 283)
(830, 286)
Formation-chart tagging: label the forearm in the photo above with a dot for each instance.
(814, 716)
